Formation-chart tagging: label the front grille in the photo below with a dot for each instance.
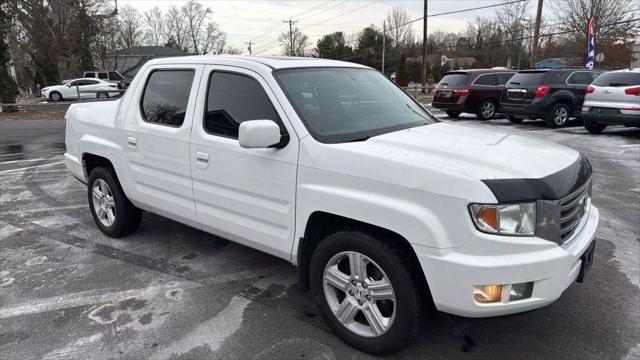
(573, 208)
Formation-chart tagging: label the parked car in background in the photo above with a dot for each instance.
(613, 98)
(331, 166)
(96, 89)
(110, 76)
(472, 91)
(554, 95)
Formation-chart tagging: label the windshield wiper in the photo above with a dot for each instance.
(514, 82)
(417, 113)
(365, 138)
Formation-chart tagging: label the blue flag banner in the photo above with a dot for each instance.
(591, 51)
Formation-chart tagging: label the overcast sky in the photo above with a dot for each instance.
(261, 21)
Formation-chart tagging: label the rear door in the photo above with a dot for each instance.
(578, 82)
(246, 195)
(521, 88)
(88, 87)
(158, 131)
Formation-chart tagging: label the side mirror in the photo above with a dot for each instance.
(68, 85)
(258, 134)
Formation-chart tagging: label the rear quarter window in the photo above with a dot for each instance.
(527, 78)
(618, 79)
(485, 79)
(455, 79)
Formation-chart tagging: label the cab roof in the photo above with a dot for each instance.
(273, 62)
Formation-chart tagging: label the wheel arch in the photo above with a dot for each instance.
(320, 224)
(92, 160)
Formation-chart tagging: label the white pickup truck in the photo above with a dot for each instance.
(329, 165)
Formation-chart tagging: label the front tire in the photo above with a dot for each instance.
(55, 96)
(112, 211)
(365, 292)
(594, 127)
(486, 110)
(558, 116)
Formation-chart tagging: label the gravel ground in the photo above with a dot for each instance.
(172, 292)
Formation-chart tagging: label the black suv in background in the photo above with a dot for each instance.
(552, 94)
(475, 91)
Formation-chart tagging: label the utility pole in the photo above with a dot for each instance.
(384, 36)
(249, 43)
(291, 23)
(536, 34)
(424, 47)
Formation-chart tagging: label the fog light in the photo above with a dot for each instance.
(486, 294)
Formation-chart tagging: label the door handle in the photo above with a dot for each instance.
(133, 142)
(201, 156)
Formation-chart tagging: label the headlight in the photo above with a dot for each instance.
(505, 219)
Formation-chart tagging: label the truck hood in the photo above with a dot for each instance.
(456, 161)
(480, 153)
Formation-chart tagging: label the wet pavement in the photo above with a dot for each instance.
(172, 292)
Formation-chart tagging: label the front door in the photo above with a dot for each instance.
(246, 195)
(158, 130)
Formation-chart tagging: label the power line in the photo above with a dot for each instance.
(322, 11)
(345, 13)
(441, 48)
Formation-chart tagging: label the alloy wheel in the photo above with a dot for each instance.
(488, 110)
(561, 115)
(359, 293)
(103, 202)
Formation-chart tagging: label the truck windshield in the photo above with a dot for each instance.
(348, 104)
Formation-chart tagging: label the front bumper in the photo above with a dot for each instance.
(451, 274)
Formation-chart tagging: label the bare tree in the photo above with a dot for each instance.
(130, 33)
(154, 30)
(513, 21)
(615, 28)
(196, 16)
(214, 40)
(175, 27)
(401, 34)
(300, 42)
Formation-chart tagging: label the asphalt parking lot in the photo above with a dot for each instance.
(172, 292)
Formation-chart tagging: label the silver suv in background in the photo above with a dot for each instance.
(613, 98)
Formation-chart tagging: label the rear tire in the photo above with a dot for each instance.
(559, 115)
(486, 110)
(515, 120)
(594, 127)
(112, 211)
(396, 314)
(452, 114)
(103, 95)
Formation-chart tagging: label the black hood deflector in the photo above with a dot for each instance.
(551, 187)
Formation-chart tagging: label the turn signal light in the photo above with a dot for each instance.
(486, 294)
(542, 91)
(590, 89)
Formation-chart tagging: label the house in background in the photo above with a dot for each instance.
(128, 61)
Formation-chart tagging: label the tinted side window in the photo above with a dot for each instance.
(486, 79)
(579, 78)
(114, 75)
(232, 99)
(89, 75)
(90, 82)
(504, 78)
(165, 96)
(75, 83)
(103, 76)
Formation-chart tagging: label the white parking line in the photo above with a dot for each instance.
(31, 167)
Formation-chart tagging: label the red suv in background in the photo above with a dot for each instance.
(476, 91)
